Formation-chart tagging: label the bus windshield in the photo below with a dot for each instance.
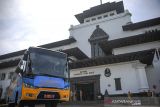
(52, 64)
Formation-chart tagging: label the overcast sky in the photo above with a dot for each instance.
(25, 23)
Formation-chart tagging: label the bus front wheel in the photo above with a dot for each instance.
(11, 104)
(51, 105)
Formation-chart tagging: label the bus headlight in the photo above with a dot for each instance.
(66, 88)
(29, 86)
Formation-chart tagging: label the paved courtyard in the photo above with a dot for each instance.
(63, 105)
(95, 106)
(85, 104)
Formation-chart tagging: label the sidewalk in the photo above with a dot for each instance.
(84, 103)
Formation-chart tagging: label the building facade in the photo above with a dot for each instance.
(110, 54)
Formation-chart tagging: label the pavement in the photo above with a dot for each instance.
(85, 104)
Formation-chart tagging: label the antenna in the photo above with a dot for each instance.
(101, 2)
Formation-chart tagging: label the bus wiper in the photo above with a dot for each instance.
(49, 75)
(29, 75)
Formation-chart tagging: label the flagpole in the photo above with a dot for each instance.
(101, 2)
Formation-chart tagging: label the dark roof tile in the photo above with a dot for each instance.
(13, 54)
(100, 9)
(143, 24)
(143, 56)
(59, 43)
(131, 40)
(10, 63)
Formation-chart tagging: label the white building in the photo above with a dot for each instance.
(108, 52)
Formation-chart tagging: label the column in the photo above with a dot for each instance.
(143, 83)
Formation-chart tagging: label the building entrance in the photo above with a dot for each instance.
(85, 87)
(84, 91)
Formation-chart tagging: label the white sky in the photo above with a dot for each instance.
(25, 23)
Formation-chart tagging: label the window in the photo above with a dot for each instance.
(96, 50)
(97, 36)
(59, 50)
(14, 77)
(93, 19)
(2, 76)
(1, 91)
(111, 14)
(10, 75)
(100, 17)
(87, 20)
(118, 84)
(105, 16)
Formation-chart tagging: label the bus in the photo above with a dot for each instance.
(42, 76)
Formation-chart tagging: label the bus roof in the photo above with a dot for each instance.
(43, 50)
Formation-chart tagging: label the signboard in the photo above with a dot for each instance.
(83, 73)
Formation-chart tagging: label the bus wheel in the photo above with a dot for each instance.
(11, 104)
(21, 104)
(51, 105)
(31, 105)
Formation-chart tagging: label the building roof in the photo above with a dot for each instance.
(10, 63)
(76, 52)
(98, 34)
(142, 24)
(100, 9)
(59, 43)
(131, 40)
(50, 45)
(13, 54)
(145, 57)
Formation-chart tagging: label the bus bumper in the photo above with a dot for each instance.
(44, 95)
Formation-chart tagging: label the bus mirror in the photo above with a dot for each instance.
(69, 59)
(21, 73)
(19, 70)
